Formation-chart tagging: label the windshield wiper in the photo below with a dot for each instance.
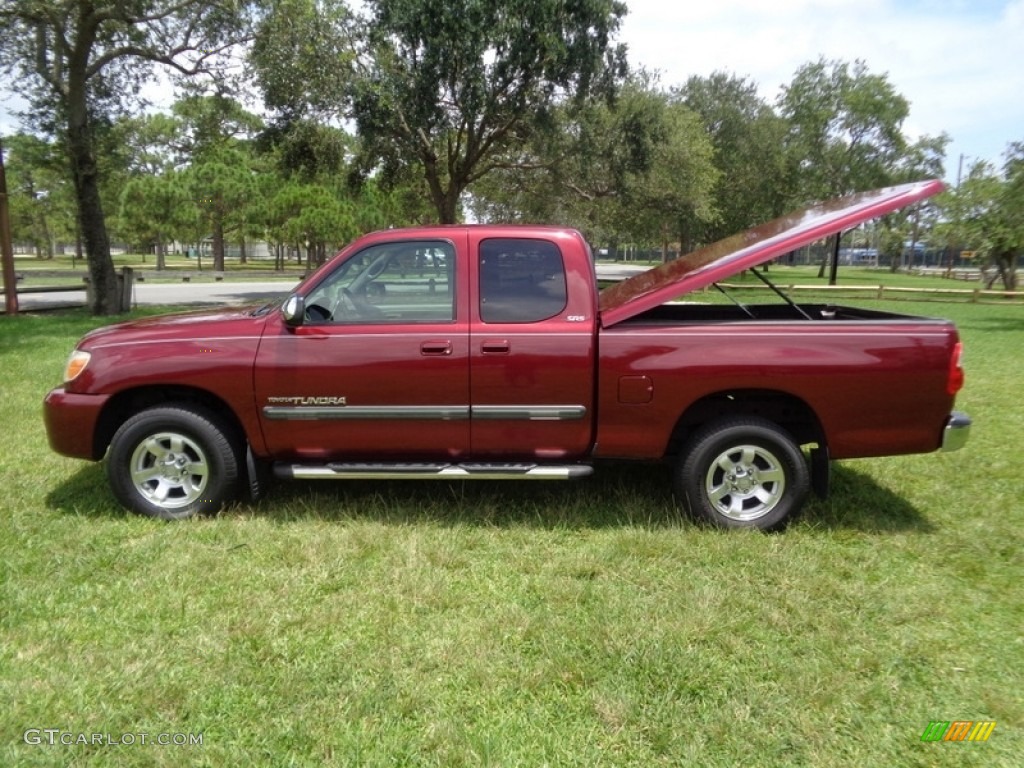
(260, 311)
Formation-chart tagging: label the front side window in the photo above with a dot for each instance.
(521, 280)
(406, 282)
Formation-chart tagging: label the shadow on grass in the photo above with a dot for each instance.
(994, 324)
(617, 495)
(85, 493)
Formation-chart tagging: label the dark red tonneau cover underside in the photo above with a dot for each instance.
(731, 256)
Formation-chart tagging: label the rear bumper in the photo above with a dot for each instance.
(71, 422)
(958, 428)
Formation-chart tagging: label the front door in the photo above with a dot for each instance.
(380, 367)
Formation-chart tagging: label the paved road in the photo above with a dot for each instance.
(226, 292)
(198, 293)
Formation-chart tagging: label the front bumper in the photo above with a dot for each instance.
(958, 428)
(71, 422)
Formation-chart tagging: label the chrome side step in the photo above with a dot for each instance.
(432, 471)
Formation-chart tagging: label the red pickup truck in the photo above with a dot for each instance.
(488, 352)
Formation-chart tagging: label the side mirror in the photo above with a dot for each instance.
(294, 311)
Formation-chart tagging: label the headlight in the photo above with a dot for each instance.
(75, 365)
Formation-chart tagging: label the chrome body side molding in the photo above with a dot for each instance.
(426, 412)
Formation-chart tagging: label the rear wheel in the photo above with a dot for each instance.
(173, 462)
(743, 473)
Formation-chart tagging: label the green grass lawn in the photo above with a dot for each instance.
(584, 624)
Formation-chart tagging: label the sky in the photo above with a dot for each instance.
(960, 63)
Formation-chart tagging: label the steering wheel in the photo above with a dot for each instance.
(347, 306)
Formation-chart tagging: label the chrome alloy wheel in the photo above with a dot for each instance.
(745, 482)
(169, 470)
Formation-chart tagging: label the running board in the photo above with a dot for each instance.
(429, 471)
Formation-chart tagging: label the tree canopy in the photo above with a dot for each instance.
(395, 112)
(987, 211)
(844, 129)
(446, 90)
(746, 136)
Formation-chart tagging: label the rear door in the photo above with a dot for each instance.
(532, 348)
(380, 368)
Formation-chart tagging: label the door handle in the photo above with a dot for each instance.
(436, 348)
(495, 347)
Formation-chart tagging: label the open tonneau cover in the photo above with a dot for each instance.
(756, 246)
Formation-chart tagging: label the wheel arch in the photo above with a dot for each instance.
(126, 404)
(786, 410)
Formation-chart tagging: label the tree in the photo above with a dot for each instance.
(150, 143)
(75, 61)
(213, 138)
(636, 169)
(207, 124)
(585, 170)
(220, 185)
(305, 149)
(309, 217)
(924, 159)
(303, 56)
(1007, 237)
(157, 207)
(989, 209)
(747, 138)
(39, 195)
(844, 130)
(452, 87)
(676, 196)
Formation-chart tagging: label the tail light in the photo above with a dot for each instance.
(956, 372)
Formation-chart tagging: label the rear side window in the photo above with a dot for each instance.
(521, 280)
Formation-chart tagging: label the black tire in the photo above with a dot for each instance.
(173, 462)
(743, 472)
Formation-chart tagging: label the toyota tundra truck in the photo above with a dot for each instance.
(488, 351)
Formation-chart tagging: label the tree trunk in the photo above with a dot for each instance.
(450, 210)
(92, 223)
(445, 198)
(218, 243)
(42, 230)
(1007, 265)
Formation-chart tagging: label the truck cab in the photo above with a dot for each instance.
(438, 343)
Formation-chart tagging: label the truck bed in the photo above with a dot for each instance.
(693, 313)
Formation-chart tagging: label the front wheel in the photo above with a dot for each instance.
(173, 462)
(743, 473)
